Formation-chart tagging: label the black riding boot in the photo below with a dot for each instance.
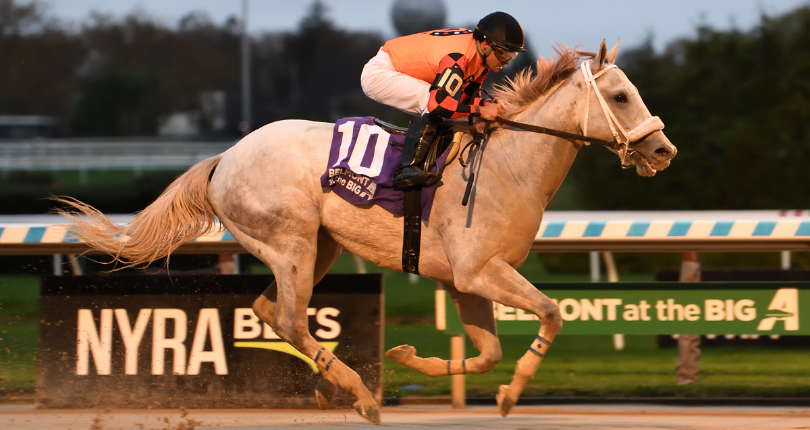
(415, 149)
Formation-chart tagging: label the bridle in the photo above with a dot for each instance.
(623, 141)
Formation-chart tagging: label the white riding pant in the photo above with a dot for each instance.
(383, 84)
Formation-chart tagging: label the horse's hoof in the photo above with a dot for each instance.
(399, 354)
(370, 413)
(505, 402)
(324, 393)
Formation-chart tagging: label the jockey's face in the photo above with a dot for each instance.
(498, 58)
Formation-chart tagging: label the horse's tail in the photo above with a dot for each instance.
(183, 212)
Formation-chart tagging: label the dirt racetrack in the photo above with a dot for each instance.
(27, 417)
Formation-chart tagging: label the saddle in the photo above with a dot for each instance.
(362, 166)
(391, 128)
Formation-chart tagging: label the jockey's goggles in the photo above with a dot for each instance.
(503, 55)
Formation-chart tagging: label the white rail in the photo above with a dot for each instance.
(560, 232)
(126, 154)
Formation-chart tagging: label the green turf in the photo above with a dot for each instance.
(19, 296)
(18, 355)
(19, 312)
(590, 365)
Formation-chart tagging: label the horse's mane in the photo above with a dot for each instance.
(526, 87)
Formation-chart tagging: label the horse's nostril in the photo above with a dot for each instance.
(662, 152)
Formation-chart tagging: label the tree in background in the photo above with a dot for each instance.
(38, 60)
(136, 71)
(324, 65)
(736, 104)
(123, 76)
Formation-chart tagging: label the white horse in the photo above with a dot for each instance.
(266, 191)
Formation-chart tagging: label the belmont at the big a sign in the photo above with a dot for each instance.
(152, 341)
(719, 308)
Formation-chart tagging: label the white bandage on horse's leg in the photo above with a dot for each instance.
(528, 364)
(324, 359)
(539, 346)
(456, 367)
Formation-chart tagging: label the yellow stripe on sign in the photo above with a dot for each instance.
(54, 234)
(701, 228)
(574, 229)
(785, 228)
(616, 229)
(658, 229)
(743, 228)
(13, 234)
(287, 349)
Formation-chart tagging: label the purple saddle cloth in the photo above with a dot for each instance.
(362, 161)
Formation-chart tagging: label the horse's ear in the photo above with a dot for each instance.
(584, 53)
(596, 65)
(611, 56)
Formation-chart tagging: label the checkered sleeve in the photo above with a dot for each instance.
(452, 94)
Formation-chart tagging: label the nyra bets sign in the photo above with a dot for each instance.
(152, 341)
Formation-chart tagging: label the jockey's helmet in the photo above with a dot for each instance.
(502, 30)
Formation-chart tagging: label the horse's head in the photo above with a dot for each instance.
(615, 112)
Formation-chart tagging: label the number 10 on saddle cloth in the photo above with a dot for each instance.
(363, 158)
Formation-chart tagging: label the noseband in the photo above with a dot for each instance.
(623, 140)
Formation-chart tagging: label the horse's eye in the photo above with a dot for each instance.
(621, 98)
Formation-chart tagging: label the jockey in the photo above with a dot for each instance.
(437, 75)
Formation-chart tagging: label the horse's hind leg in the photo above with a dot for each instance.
(265, 308)
(295, 284)
(292, 257)
(479, 322)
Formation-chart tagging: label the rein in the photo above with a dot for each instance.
(478, 141)
(553, 132)
(622, 140)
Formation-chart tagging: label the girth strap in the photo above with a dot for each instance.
(413, 231)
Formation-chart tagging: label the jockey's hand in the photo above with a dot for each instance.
(491, 110)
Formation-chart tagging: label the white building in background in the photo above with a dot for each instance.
(181, 124)
(211, 117)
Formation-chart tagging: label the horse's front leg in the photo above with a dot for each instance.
(479, 323)
(496, 280)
